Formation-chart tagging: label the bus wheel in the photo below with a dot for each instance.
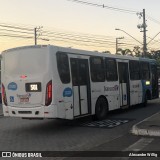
(101, 109)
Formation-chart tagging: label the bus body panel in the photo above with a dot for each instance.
(26, 72)
(111, 91)
(136, 92)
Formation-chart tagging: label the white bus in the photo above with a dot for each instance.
(55, 82)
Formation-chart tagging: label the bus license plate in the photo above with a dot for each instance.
(24, 100)
(33, 87)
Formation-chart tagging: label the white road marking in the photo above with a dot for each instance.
(139, 145)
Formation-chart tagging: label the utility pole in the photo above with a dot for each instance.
(144, 34)
(143, 27)
(35, 36)
(118, 43)
(36, 29)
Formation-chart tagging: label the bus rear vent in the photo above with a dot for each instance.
(24, 112)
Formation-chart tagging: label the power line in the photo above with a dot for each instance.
(10, 30)
(79, 43)
(113, 8)
(153, 20)
(14, 35)
(123, 43)
(104, 6)
(19, 28)
(78, 38)
(77, 35)
(154, 42)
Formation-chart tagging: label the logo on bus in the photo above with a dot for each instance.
(67, 92)
(12, 86)
(136, 86)
(115, 88)
(11, 99)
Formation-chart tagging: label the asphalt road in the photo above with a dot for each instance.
(79, 135)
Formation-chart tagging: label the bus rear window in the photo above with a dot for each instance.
(27, 61)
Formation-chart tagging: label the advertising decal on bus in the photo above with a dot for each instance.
(12, 86)
(67, 92)
(115, 88)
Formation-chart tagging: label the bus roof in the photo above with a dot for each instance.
(82, 52)
(24, 47)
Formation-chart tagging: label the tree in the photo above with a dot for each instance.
(124, 52)
(156, 55)
(138, 51)
(106, 52)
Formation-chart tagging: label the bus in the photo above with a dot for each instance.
(0, 82)
(46, 81)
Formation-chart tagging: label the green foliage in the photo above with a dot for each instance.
(106, 52)
(137, 52)
(155, 55)
(124, 52)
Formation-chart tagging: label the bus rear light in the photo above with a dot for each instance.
(4, 97)
(48, 99)
(23, 76)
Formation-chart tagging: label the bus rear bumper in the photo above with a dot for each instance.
(34, 112)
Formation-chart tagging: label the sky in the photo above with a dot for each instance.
(75, 18)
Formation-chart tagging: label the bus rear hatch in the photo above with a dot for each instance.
(24, 74)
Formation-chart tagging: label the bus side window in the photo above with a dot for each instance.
(134, 70)
(145, 71)
(111, 69)
(97, 69)
(63, 67)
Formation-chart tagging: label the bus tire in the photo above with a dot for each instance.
(101, 109)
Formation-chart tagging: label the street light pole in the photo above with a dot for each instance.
(129, 35)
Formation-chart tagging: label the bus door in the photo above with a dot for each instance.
(124, 83)
(154, 81)
(81, 86)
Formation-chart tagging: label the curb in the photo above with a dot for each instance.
(145, 132)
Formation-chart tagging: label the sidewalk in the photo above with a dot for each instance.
(149, 126)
